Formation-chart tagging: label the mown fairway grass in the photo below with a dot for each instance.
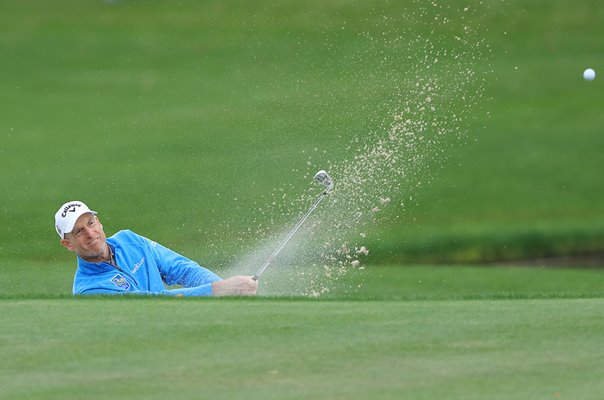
(414, 332)
(299, 349)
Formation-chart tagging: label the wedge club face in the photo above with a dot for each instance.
(324, 179)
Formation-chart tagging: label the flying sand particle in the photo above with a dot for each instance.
(363, 250)
(396, 156)
(384, 201)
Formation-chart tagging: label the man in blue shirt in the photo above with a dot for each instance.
(129, 263)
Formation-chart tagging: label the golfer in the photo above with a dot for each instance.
(129, 263)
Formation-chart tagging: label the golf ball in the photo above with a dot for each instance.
(589, 74)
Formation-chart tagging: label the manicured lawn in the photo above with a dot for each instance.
(294, 349)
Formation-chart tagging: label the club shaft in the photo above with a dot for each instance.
(289, 236)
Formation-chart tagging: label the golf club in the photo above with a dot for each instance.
(324, 179)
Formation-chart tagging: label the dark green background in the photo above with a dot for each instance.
(179, 120)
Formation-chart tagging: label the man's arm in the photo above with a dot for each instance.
(175, 269)
(234, 286)
(196, 280)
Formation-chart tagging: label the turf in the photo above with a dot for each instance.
(419, 332)
(152, 349)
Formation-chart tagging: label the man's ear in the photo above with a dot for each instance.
(67, 244)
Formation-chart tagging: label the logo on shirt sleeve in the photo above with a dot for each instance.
(120, 282)
(138, 265)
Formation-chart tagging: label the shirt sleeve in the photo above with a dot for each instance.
(176, 269)
(202, 290)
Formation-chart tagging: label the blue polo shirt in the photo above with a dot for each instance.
(143, 266)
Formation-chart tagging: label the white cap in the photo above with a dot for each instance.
(67, 216)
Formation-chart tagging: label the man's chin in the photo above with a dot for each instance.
(94, 253)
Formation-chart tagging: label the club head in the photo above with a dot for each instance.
(324, 179)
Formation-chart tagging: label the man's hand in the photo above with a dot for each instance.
(235, 286)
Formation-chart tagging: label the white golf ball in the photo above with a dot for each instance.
(589, 74)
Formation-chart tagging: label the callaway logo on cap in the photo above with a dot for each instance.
(68, 214)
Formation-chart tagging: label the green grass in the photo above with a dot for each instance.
(456, 282)
(137, 107)
(158, 348)
(141, 105)
(418, 332)
(387, 331)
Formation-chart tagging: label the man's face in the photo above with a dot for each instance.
(87, 238)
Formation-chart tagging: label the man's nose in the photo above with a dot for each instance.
(88, 232)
